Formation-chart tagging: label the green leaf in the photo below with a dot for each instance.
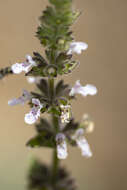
(55, 111)
(43, 99)
(71, 126)
(45, 139)
(43, 86)
(38, 176)
(70, 66)
(60, 88)
(43, 126)
(63, 101)
(36, 71)
(62, 57)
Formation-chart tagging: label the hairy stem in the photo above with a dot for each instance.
(55, 164)
(55, 160)
(51, 89)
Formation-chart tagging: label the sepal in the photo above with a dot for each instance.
(39, 59)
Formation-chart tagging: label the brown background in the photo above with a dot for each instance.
(103, 25)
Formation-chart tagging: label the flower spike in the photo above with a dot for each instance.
(54, 98)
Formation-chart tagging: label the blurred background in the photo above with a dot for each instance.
(103, 25)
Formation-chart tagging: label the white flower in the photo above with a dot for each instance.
(77, 47)
(21, 100)
(82, 143)
(85, 148)
(36, 102)
(30, 118)
(33, 79)
(83, 90)
(16, 68)
(61, 146)
(26, 66)
(34, 114)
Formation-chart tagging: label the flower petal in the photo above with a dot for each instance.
(31, 80)
(30, 118)
(36, 101)
(30, 60)
(82, 142)
(21, 100)
(17, 68)
(89, 90)
(83, 90)
(84, 146)
(14, 102)
(62, 150)
(77, 47)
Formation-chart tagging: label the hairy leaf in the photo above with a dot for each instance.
(45, 139)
